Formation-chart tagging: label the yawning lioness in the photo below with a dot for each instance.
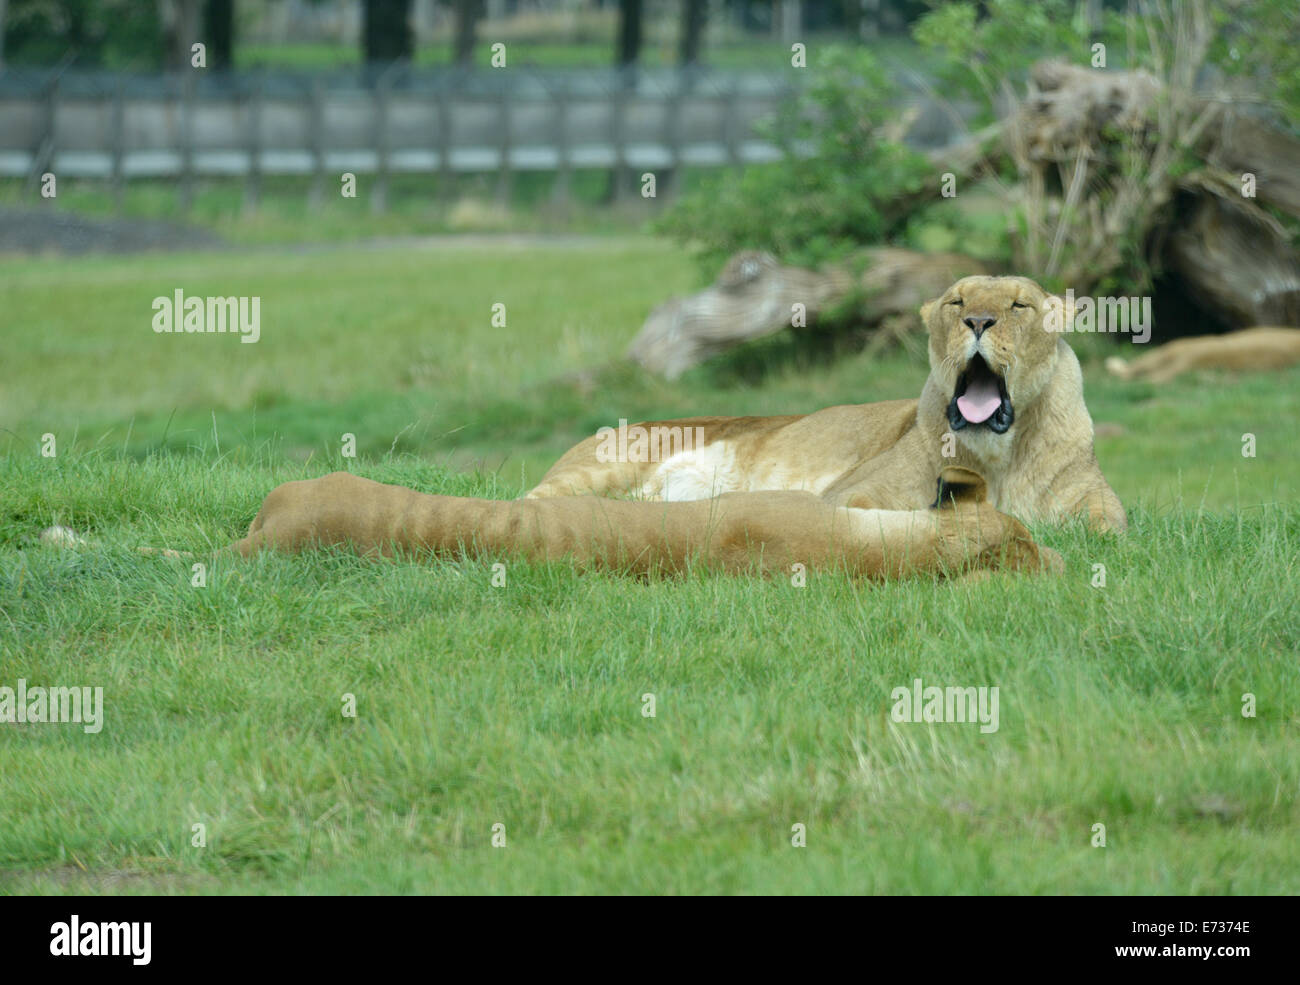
(1004, 399)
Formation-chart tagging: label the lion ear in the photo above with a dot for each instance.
(926, 309)
(959, 485)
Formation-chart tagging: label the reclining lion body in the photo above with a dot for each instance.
(1249, 349)
(736, 532)
(1040, 466)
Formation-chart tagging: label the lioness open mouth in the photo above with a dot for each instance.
(980, 398)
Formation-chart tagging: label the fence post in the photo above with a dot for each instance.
(43, 154)
(620, 176)
(316, 111)
(186, 197)
(119, 141)
(504, 175)
(732, 126)
(253, 183)
(563, 170)
(674, 109)
(379, 196)
(445, 175)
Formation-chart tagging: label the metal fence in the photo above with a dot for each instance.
(442, 122)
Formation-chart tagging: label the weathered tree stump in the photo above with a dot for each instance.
(756, 296)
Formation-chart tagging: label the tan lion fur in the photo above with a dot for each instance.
(736, 532)
(886, 455)
(1248, 349)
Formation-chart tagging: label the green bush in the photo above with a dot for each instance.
(846, 181)
(841, 182)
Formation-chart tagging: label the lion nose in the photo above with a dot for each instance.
(979, 324)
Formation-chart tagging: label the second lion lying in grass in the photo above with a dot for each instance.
(765, 532)
(1249, 349)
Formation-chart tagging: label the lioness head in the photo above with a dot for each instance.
(989, 348)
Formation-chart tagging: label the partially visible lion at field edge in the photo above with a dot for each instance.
(1261, 348)
(1004, 398)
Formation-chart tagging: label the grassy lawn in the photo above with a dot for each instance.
(520, 53)
(749, 53)
(418, 205)
(521, 704)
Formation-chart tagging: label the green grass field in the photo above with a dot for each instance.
(543, 50)
(521, 704)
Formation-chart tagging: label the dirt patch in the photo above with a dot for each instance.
(51, 231)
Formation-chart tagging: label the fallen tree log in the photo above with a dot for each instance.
(756, 296)
(1232, 259)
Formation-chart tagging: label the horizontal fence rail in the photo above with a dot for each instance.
(445, 122)
(103, 126)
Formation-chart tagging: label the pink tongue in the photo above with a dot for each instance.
(979, 401)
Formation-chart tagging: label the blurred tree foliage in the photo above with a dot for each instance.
(1260, 40)
(989, 46)
(837, 186)
(986, 57)
(845, 180)
(97, 33)
(987, 49)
